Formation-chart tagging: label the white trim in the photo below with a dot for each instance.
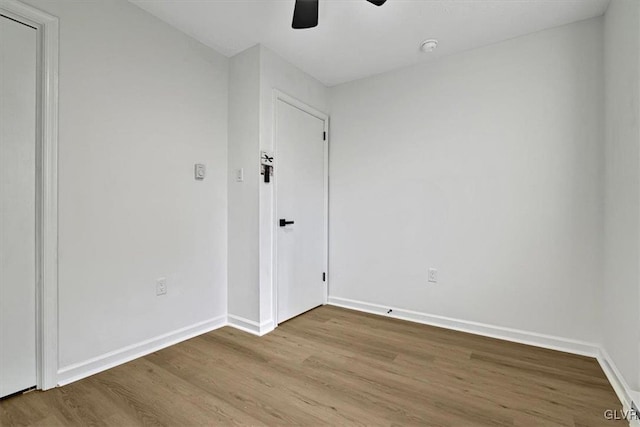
(294, 102)
(109, 360)
(281, 96)
(626, 395)
(499, 332)
(250, 326)
(47, 187)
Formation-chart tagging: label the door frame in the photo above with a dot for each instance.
(46, 187)
(279, 96)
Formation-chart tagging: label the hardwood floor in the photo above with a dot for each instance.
(337, 367)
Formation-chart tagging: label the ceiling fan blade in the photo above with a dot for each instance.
(377, 2)
(305, 14)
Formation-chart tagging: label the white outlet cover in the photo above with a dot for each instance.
(200, 171)
(433, 275)
(161, 286)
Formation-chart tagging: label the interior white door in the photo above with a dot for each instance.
(300, 197)
(17, 206)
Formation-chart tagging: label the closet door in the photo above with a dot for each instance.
(18, 44)
(300, 204)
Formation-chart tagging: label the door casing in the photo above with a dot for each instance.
(279, 96)
(46, 187)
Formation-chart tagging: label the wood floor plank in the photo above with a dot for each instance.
(333, 366)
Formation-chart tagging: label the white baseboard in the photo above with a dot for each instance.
(627, 396)
(507, 334)
(77, 371)
(250, 326)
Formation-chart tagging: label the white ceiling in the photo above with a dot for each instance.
(355, 39)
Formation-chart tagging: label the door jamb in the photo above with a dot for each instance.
(283, 97)
(46, 187)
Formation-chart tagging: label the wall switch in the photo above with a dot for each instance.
(433, 275)
(161, 286)
(240, 175)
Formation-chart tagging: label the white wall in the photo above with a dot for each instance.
(254, 74)
(621, 298)
(140, 104)
(485, 165)
(244, 151)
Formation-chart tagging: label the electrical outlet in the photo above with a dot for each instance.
(200, 171)
(161, 286)
(433, 275)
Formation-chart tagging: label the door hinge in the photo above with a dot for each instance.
(324, 136)
(324, 277)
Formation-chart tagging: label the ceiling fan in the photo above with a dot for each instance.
(305, 13)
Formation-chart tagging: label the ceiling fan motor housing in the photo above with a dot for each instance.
(305, 13)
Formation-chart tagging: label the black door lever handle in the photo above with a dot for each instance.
(284, 222)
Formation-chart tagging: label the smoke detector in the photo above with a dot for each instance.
(429, 45)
